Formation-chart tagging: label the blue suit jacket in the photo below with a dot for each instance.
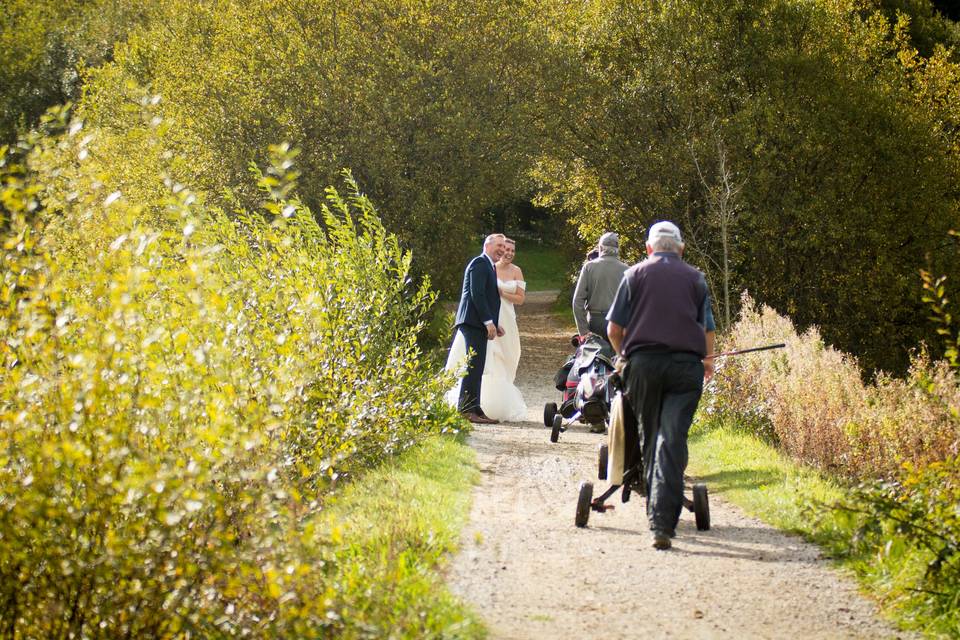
(480, 297)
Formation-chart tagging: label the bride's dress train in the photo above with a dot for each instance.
(500, 399)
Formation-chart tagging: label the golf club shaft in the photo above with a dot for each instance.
(739, 351)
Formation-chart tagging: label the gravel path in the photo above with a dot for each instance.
(531, 573)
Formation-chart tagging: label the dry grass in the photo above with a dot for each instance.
(811, 400)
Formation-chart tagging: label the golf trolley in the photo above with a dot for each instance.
(633, 481)
(586, 380)
(633, 476)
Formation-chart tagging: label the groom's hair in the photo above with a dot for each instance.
(491, 238)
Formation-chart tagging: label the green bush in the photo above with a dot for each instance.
(910, 528)
(772, 114)
(180, 391)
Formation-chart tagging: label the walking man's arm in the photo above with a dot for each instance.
(705, 319)
(580, 296)
(615, 333)
(618, 316)
(708, 363)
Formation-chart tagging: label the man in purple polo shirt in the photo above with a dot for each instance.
(661, 322)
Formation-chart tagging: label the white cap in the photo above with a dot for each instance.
(664, 229)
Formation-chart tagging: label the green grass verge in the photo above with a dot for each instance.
(563, 309)
(392, 531)
(543, 267)
(752, 474)
(755, 476)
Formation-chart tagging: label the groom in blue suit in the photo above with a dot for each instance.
(478, 318)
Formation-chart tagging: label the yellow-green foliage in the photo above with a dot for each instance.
(181, 389)
(906, 540)
(812, 400)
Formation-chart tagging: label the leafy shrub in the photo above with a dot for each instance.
(812, 401)
(435, 337)
(938, 304)
(415, 105)
(912, 525)
(181, 389)
(909, 525)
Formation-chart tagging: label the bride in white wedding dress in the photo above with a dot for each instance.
(500, 399)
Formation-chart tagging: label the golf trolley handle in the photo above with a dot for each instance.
(739, 351)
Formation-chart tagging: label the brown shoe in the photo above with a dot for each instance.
(661, 540)
(477, 419)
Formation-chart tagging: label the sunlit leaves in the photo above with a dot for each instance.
(937, 302)
(843, 137)
(914, 521)
(181, 390)
(421, 100)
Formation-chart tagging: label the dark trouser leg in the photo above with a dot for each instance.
(476, 340)
(667, 388)
(643, 384)
(598, 325)
(682, 390)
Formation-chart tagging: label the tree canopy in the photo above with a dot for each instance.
(809, 150)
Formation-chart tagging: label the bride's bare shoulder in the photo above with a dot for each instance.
(509, 272)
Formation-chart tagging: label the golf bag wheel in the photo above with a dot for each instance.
(602, 454)
(583, 504)
(549, 411)
(701, 507)
(557, 425)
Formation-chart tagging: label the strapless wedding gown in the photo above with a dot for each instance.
(500, 399)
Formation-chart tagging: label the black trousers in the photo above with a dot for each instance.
(664, 390)
(476, 340)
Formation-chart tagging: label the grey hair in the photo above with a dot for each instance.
(666, 245)
(606, 250)
(491, 238)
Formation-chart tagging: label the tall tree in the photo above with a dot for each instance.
(422, 100)
(44, 46)
(851, 180)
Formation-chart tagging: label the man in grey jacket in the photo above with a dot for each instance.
(597, 286)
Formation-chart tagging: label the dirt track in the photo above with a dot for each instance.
(531, 573)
